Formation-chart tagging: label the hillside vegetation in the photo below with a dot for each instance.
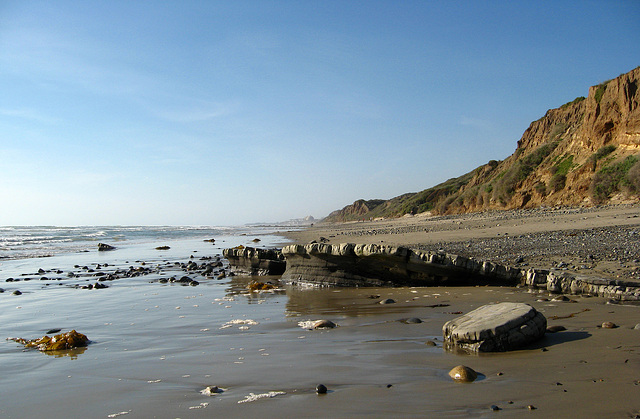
(585, 152)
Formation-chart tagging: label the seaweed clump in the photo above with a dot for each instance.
(58, 342)
(256, 286)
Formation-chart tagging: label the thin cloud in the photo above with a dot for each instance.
(199, 113)
(29, 114)
(475, 123)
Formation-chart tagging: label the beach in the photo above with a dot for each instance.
(156, 344)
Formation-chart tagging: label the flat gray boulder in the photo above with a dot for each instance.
(495, 328)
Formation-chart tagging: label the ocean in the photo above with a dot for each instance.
(18, 242)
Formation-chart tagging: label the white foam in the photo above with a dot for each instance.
(253, 397)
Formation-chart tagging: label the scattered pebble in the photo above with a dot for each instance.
(495, 408)
(321, 389)
(609, 325)
(388, 301)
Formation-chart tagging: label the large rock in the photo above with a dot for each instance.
(256, 261)
(374, 265)
(495, 328)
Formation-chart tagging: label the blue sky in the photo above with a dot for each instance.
(231, 112)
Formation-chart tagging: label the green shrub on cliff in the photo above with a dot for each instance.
(612, 177)
(520, 170)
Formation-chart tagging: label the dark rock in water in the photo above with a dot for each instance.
(495, 408)
(324, 324)
(555, 329)
(411, 320)
(17, 292)
(104, 247)
(430, 343)
(256, 261)
(321, 389)
(388, 301)
(184, 280)
(495, 328)
(463, 374)
(211, 390)
(1, 290)
(163, 248)
(52, 331)
(194, 283)
(163, 280)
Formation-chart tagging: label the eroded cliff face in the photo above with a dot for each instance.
(582, 138)
(583, 153)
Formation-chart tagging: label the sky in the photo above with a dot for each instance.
(233, 112)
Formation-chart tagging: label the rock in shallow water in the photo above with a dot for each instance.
(463, 374)
(324, 324)
(495, 328)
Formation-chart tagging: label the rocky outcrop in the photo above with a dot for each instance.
(350, 264)
(102, 247)
(495, 328)
(570, 284)
(255, 261)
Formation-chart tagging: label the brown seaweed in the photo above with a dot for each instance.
(62, 341)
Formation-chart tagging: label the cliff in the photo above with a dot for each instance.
(585, 152)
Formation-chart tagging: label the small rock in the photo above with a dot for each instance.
(554, 329)
(637, 327)
(324, 324)
(321, 389)
(411, 320)
(211, 390)
(531, 407)
(430, 343)
(17, 292)
(194, 283)
(388, 301)
(495, 408)
(609, 325)
(463, 374)
(561, 298)
(102, 247)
